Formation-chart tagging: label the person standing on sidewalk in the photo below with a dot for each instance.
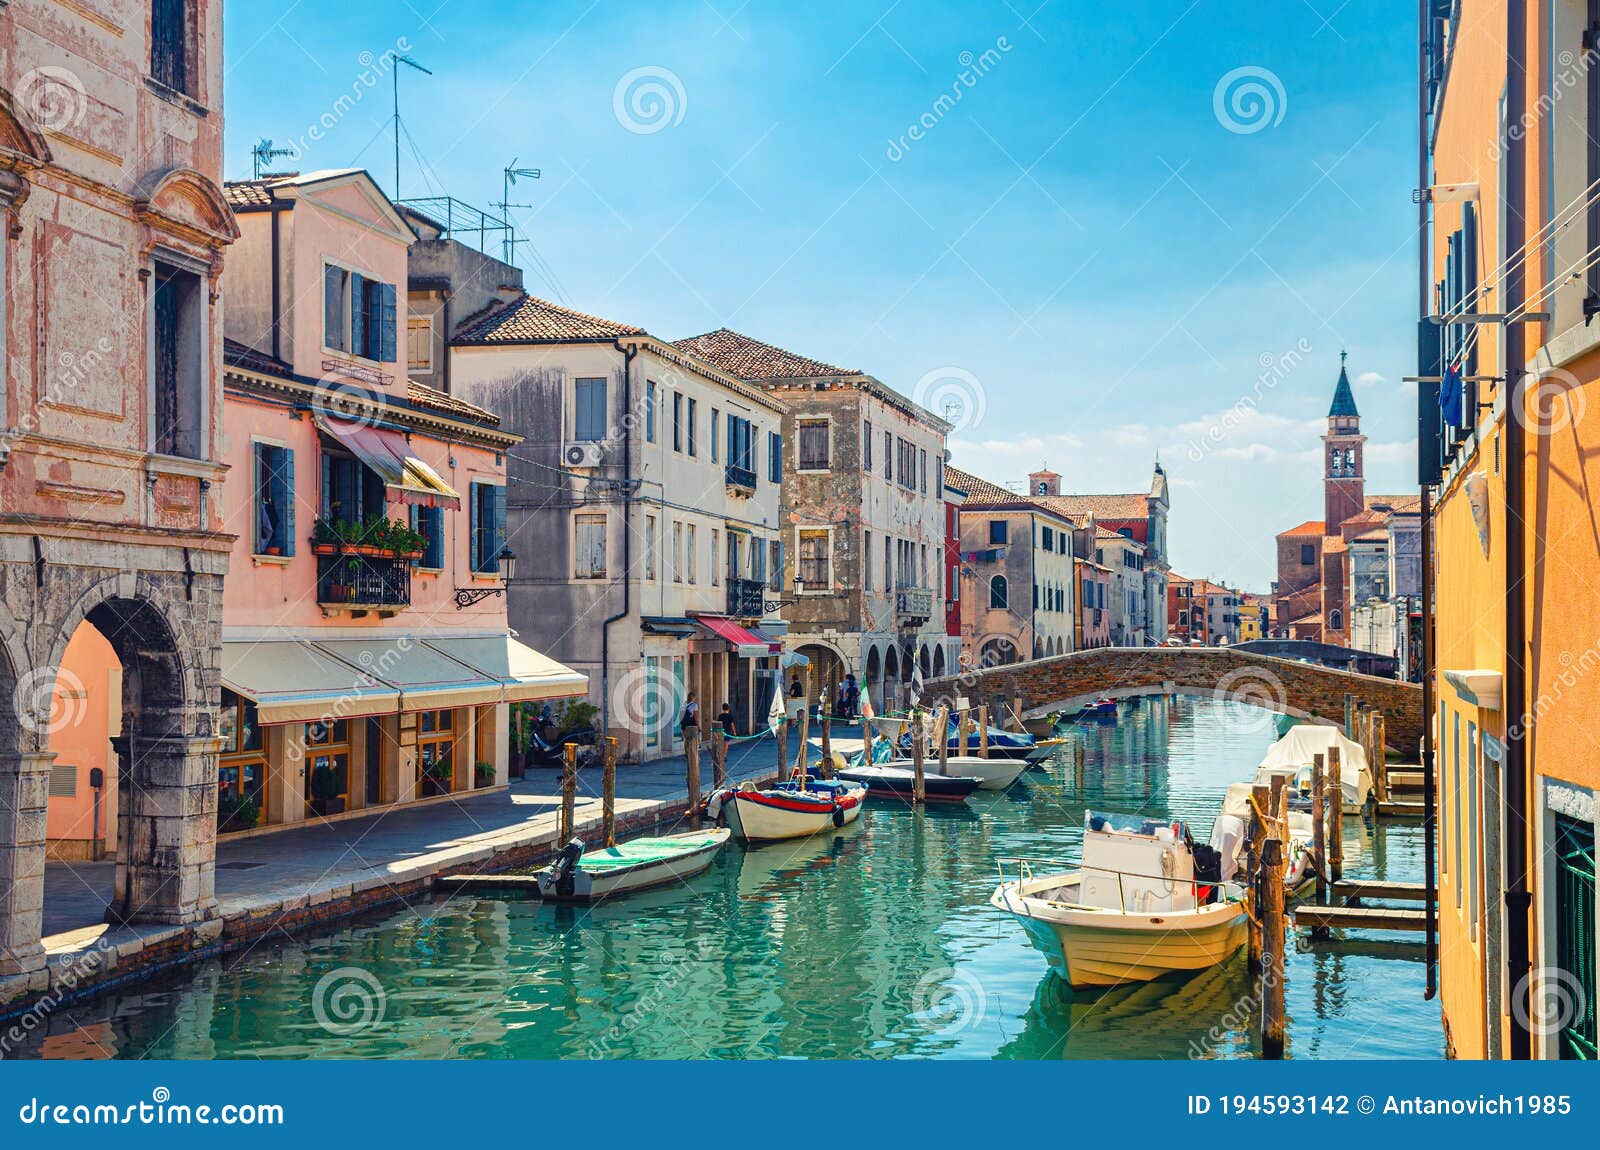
(690, 723)
(725, 721)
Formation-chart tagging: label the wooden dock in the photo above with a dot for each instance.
(1355, 889)
(1360, 917)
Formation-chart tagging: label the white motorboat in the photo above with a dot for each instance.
(1133, 911)
(786, 812)
(992, 774)
(1292, 756)
(1230, 838)
(580, 875)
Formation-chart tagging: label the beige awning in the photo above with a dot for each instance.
(406, 479)
(291, 681)
(427, 679)
(524, 674)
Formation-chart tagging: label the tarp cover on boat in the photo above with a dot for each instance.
(1295, 751)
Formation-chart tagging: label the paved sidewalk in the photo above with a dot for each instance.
(308, 863)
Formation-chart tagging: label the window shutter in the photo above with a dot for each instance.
(286, 500)
(261, 524)
(474, 532)
(388, 323)
(332, 306)
(358, 314)
(491, 561)
(327, 486)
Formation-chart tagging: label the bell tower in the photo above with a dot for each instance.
(1343, 484)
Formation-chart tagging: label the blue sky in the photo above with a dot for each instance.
(1094, 247)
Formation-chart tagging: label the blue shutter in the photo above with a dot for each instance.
(286, 499)
(255, 498)
(491, 561)
(358, 315)
(332, 306)
(474, 549)
(388, 321)
(325, 508)
(434, 553)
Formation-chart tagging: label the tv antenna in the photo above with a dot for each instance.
(262, 155)
(407, 60)
(512, 173)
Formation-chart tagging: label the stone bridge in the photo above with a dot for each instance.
(1305, 690)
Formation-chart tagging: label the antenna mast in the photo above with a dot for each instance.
(511, 172)
(407, 60)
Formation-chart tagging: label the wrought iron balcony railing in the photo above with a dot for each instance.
(746, 598)
(363, 581)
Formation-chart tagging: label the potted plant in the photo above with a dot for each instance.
(237, 813)
(325, 792)
(483, 773)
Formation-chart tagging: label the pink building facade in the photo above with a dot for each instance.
(366, 659)
(113, 228)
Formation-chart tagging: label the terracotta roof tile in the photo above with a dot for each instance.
(421, 395)
(751, 360)
(533, 320)
(1131, 505)
(1401, 504)
(980, 491)
(1309, 527)
(248, 193)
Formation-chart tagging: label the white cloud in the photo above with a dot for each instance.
(1370, 379)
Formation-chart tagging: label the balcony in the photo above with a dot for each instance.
(358, 582)
(740, 480)
(745, 598)
(913, 605)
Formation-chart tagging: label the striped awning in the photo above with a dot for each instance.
(406, 479)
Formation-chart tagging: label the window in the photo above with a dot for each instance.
(866, 550)
(429, 523)
(888, 455)
(358, 314)
(488, 511)
(922, 471)
(1308, 554)
(650, 401)
(693, 419)
(677, 552)
(999, 531)
(888, 563)
(1336, 619)
(589, 415)
(775, 568)
(689, 550)
(650, 547)
(758, 560)
(774, 457)
(350, 492)
(589, 547)
(866, 445)
(741, 445)
(436, 750)
(905, 466)
(716, 427)
(328, 763)
(998, 595)
(179, 356)
(1047, 538)
(242, 769)
(169, 44)
(735, 556)
(813, 454)
(814, 564)
(419, 344)
(274, 487)
(677, 421)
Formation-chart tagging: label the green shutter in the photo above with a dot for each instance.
(474, 533)
(498, 542)
(388, 322)
(286, 499)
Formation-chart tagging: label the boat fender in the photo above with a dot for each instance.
(838, 815)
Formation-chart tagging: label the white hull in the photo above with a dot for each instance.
(992, 774)
(602, 883)
(755, 822)
(1092, 946)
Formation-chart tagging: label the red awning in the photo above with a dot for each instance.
(745, 641)
(406, 479)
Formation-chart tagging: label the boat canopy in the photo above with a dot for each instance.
(1294, 752)
(1132, 824)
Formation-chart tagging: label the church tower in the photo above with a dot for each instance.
(1343, 484)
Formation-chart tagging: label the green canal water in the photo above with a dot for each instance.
(876, 942)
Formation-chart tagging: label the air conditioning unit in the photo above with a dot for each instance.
(583, 455)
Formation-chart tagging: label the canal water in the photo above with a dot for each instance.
(875, 942)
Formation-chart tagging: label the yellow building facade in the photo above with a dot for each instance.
(1475, 55)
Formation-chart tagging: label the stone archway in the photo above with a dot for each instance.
(938, 661)
(891, 677)
(24, 799)
(166, 751)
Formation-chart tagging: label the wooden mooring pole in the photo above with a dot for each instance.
(983, 732)
(1261, 796)
(1272, 948)
(803, 752)
(1319, 827)
(719, 758)
(1349, 715)
(782, 734)
(919, 784)
(691, 759)
(1335, 817)
(608, 794)
(963, 725)
(941, 724)
(1379, 759)
(825, 720)
(569, 793)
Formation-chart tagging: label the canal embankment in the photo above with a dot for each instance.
(298, 882)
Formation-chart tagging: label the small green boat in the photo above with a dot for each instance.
(579, 875)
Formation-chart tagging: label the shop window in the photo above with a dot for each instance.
(242, 766)
(327, 761)
(436, 751)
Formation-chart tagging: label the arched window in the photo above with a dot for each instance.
(1336, 619)
(997, 593)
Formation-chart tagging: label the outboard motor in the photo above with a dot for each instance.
(566, 866)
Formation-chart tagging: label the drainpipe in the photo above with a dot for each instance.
(1518, 898)
(1427, 397)
(628, 354)
(277, 279)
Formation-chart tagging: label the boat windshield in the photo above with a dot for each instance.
(1129, 824)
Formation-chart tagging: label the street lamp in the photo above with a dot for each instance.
(467, 596)
(773, 606)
